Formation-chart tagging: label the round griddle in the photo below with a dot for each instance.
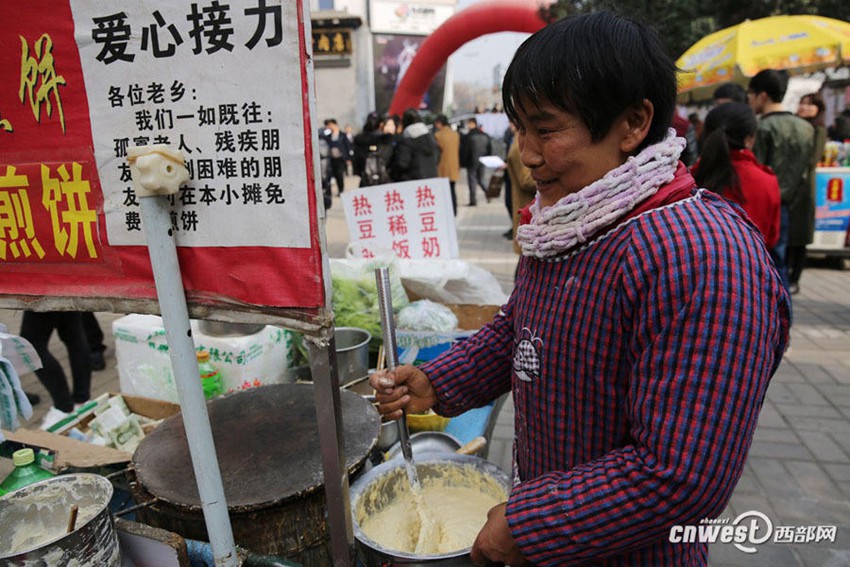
(267, 444)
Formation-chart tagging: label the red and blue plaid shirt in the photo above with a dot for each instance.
(638, 365)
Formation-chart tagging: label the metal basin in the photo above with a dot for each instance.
(426, 442)
(386, 479)
(34, 523)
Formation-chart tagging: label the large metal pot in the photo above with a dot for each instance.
(267, 444)
(34, 523)
(386, 479)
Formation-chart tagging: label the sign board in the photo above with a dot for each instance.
(413, 219)
(331, 42)
(832, 209)
(83, 80)
(409, 18)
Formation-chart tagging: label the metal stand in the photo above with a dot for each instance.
(181, 348)
(326, 391)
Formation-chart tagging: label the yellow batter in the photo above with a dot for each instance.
(452, 510)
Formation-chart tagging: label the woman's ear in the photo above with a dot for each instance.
(636, 123)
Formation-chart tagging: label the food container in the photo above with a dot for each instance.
(352, 356)
(352, 353)
(426, 442)
(428, 421)
(385, 477)
(34, 521)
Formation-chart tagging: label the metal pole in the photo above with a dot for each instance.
(323, 366)
(181, 348)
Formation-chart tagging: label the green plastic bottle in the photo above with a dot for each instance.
(210, 376)
(25, 472)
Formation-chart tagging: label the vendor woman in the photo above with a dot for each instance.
(643, 329)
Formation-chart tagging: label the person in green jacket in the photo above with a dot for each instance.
(785, 143)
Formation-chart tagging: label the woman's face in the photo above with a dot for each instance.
(556, 146)
(805, 108)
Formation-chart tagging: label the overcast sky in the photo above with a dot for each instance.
(474, 61)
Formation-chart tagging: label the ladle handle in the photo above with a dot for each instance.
(385, 303)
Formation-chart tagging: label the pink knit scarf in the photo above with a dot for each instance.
(579, 216)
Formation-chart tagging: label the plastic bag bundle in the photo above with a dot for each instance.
(425, 315)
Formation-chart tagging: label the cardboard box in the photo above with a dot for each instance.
(73, 455)
(144, 365)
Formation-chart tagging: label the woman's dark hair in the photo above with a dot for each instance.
(594, 66)
(373, 122)
(726, 128)
(815, 99)
(410, 116)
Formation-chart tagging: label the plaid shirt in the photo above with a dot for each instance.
(638, 365)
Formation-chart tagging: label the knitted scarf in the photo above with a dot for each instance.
(579, 216)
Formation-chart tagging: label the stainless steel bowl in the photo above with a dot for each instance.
(387, 478)
(426, 442)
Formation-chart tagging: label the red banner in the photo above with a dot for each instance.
(54, 239)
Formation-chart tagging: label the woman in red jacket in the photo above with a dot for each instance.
(728, 167)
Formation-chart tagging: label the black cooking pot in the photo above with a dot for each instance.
(267, 444)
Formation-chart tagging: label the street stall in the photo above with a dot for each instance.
(796, 43)
(832, 202)
(146, 169)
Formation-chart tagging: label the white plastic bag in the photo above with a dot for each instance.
(451, 282)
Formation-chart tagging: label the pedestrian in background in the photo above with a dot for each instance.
(728, 167)
(415, 152)
(94, 335)
(644, 327)
(339, 152)
(373, 141)
(784, 143)
(475, 144)
(802, 231)
(729, 92)
(37, 327)
(448, 142)
(523, 188)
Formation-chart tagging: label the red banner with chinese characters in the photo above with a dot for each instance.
(82, 80)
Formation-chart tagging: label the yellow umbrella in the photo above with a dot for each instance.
(796, 43)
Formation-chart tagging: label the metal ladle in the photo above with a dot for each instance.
(385, 302)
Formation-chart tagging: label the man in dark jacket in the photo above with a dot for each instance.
(415, 153)
(339, 150)
(475, 144)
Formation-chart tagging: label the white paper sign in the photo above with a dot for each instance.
(223, 83)
(413, 219)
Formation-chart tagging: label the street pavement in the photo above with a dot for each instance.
(798, 472)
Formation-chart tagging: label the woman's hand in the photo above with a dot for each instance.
(406, 388)
(495, 544)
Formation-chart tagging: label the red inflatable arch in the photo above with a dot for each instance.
(485, 17)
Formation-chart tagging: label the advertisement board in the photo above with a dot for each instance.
(832, 210)
(393, 55)
(81, 81)
(409, 18)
